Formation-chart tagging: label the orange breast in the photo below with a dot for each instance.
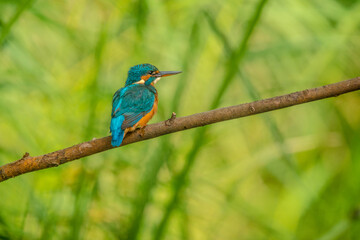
(143, 121)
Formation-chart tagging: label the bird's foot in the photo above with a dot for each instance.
(142, 131)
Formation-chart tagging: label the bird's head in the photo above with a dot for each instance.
(146, 74)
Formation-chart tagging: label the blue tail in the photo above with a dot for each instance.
(117, 132)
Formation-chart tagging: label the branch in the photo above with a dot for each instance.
(28, 164)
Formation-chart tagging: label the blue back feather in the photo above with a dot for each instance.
(130, 104)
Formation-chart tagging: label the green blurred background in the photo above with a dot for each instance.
(288, 174)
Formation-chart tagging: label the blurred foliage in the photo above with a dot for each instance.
(288, 174)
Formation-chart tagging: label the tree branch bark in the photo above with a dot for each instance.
(28, 163)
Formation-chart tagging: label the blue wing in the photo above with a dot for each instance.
(130, 104)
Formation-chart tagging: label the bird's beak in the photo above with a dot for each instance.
(167, 73)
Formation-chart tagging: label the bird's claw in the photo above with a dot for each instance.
(142, 131)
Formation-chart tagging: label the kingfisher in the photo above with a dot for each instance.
(136, 103)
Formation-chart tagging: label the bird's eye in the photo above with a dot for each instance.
(151, 72)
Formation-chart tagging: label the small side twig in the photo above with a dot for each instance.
(25, 156)
(171, 120)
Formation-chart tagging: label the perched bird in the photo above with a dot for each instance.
(136, 103)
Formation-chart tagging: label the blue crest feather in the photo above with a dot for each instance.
(135, 72)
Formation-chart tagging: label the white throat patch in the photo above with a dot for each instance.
(140, 82)
(156, 80)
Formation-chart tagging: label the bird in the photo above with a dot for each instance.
(136, 103)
